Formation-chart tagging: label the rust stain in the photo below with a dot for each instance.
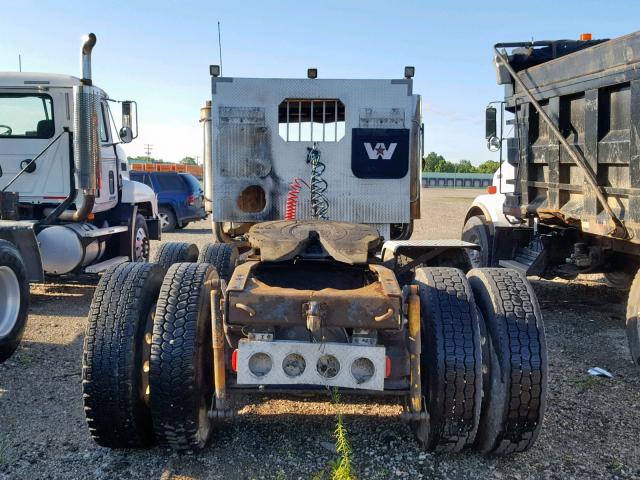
(377, 305)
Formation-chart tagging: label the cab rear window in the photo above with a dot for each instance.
(26, 116)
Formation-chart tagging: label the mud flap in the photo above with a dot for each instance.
(22, 235)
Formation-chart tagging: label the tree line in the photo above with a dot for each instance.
(431, 163)
(437, 163)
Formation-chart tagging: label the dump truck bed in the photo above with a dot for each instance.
(593, 96)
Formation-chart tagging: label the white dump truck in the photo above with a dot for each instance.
(66, 202)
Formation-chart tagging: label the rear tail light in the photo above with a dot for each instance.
(387, 370)
(492, 189)
(234, 361)
(191, 200)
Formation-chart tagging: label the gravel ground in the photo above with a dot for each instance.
(591, 429)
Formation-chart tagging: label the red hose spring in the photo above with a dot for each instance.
(292, 198)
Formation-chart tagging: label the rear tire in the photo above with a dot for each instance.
(633, 320)
(115, 350)
(618, 280)
(181, 376)
(222, 256)
(451, 360)
(14, 299)
(220, 235)
(516, 388)
(476, 230)
(401, 231)
(175, 252)
(453, 258)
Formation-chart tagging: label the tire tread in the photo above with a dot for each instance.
(173, 364)
(514, 323)
(114, 413)
(222, 256)
(169, 253)
(453, 365)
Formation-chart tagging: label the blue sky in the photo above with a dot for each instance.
(158, 52)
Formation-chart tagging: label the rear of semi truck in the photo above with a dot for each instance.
(311, 177)
(574, 107)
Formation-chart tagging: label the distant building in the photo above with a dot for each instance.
(456, 180)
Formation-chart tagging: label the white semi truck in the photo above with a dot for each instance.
(66, 202)
(322, 299)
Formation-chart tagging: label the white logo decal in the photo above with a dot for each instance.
(380, 151)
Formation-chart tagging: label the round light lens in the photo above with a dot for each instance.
(362, 370)
(294, 365)
(260, 364)
(328, 366)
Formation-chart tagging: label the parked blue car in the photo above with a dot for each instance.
(180, 197)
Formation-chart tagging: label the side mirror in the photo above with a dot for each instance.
(129, 130)
(491, 124)
(494, 144)
(126, 135)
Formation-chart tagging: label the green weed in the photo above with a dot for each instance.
(342, 469)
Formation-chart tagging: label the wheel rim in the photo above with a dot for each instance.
(164, 220)
(142, 245)
(10, 305)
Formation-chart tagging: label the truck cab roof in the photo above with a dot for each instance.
(36, 79)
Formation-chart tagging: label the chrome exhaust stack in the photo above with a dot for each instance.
(86, 143)
(87, 47)
(207, 156)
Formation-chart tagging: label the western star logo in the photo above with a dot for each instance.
(380, 151)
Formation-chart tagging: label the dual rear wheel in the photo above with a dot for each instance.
(147, 367)
(147, 374)
(484, 364)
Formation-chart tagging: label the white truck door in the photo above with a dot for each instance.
(107, 195)
(30, 120)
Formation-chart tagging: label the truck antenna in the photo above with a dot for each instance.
(19, 62)
(220, 47)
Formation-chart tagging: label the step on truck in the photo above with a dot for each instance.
(66, 202)
(572, 202)
(320, 298)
